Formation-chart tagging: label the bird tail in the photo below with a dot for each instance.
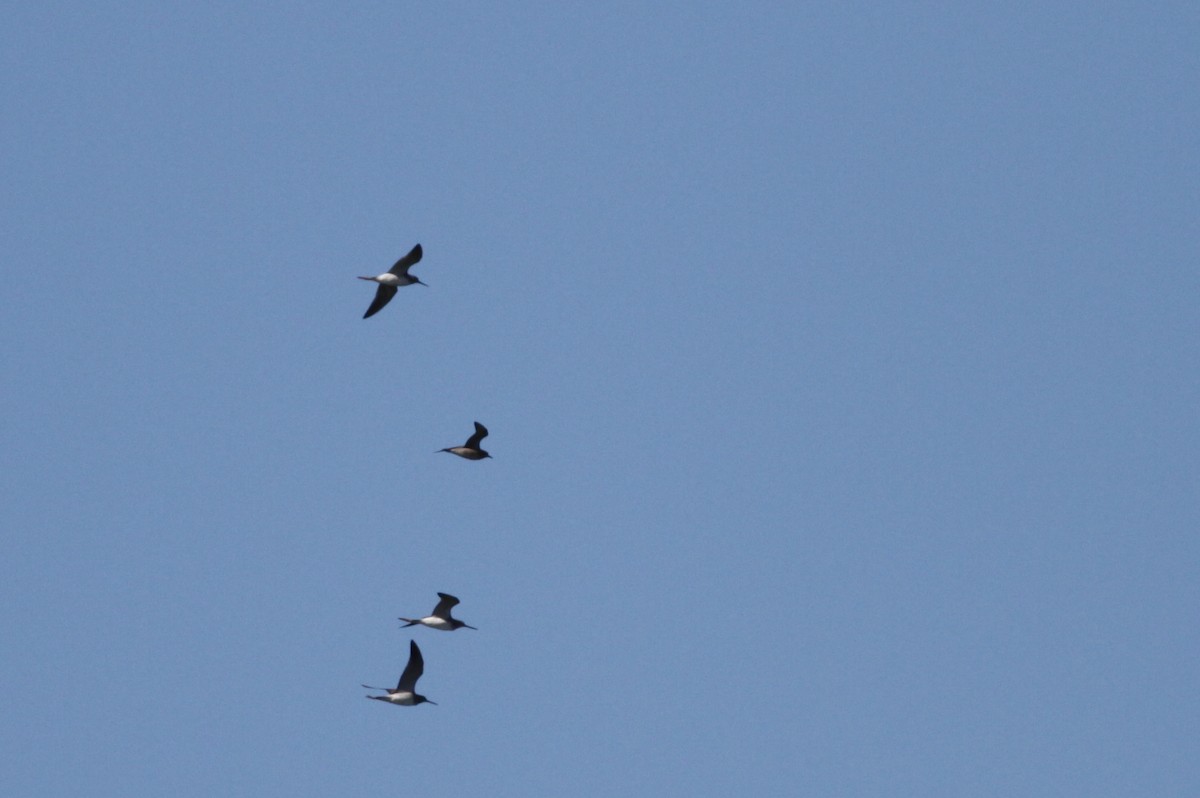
(411, 622)
(367, 278)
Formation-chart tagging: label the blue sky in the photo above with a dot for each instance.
(840, 362)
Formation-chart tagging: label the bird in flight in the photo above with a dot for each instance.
(470, 450)
(405, 693)
(393, 280)
(440, 617)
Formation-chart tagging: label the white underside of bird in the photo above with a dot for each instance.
(404, 699)
(387, 278)
(463, 451)
(435, 623)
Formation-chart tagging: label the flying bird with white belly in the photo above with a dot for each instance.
(393, 280)
(440, 618)
(470, 450)
(405, 693)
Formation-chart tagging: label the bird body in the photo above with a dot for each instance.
(393, 280)
(387, 278)
(470, 450)
(405, 693)
(432, 622)
(403, 698)
(440, 618)
(463, 451)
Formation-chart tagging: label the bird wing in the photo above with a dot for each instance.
(404, 264)
(480, 433)
(382, 297)
(442, 610)
(413, 670)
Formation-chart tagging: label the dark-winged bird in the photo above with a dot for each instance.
(393, 280)
(440, 617)
(405, 693)
(470, 449)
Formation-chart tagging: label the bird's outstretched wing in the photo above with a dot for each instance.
(442, 610)
(404, 264)
(480, 433)
(382, 297)
(413, 670)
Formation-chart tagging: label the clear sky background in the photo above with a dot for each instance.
(841, 363)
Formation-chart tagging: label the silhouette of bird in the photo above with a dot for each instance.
(440, 617)
(393, 280)
(470, 450)
(405, 693)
